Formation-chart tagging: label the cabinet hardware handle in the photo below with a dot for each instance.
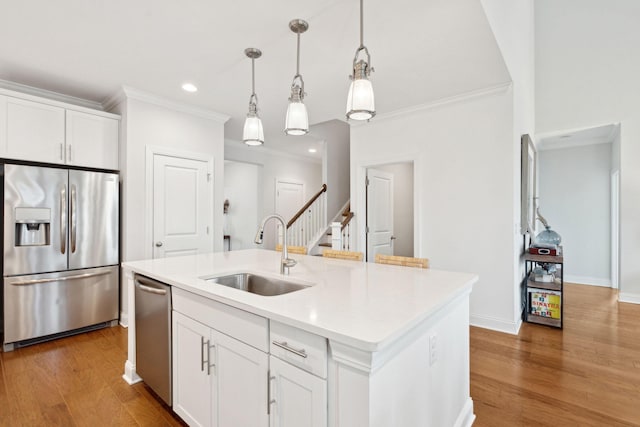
(202, 361)
(284, 345)
(61, 151)
(209, 365)
(70, 160)
(269, 399)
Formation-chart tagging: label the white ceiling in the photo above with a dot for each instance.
(422, 51)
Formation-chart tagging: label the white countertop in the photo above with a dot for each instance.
(361, 304)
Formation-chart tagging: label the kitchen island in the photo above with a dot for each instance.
(363, 345)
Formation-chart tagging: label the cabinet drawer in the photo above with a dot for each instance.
(300, 348)
(241, 325)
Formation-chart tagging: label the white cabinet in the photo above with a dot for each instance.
(55, 132)
(34, 131)
(217, 380)
(298, 398)
(240, 383)
(191, 373)
(91, 140)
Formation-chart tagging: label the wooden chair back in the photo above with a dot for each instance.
(348, 255)
(402, 260)
(300, 250)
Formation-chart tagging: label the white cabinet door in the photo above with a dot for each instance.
(91, 140)
(34, 131)
(240, 386)
(191, 375)
(299, 398)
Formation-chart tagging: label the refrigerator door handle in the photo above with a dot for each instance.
(63, 220)
(74, 219)
(60, 279)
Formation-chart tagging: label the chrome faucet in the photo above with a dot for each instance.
(285, 261)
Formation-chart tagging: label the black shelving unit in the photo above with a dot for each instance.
(555, 287)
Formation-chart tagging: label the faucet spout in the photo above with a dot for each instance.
(285, 261)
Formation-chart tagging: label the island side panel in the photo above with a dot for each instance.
(130, 375)
(405, 384)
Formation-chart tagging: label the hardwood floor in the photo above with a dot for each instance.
(585, 375)
(76, 381)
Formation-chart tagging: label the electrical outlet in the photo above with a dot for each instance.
(433, 349)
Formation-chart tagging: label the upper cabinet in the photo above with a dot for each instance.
(34, 131)
(54, 132)
(91, 140)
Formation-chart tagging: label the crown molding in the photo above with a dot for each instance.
(126, 92)
(54, 96)
(239, 145)
(440, 103)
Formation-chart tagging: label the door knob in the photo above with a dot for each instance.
(158, 244)
(393, 237)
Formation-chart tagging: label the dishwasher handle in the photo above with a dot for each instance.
(143, 283)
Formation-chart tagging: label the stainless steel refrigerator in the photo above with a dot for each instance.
(60, 244)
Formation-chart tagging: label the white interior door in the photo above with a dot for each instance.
(379, 213)
(289, 199)
(182, 207)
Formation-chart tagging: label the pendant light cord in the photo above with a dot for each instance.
(253, 77)
(361, 24)
(298, 57)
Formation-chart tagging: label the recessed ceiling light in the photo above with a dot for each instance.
(312, 150)
(189, 87)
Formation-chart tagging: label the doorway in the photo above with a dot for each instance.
(579, 196)
(289, 199)
(390, 210)
(181, 205)
(243, 204)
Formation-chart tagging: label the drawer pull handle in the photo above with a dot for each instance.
(284, 345)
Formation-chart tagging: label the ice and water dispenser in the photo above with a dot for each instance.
(33, 226)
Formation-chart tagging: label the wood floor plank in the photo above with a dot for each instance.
(586, 374)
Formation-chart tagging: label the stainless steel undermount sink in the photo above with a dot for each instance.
(255, 284)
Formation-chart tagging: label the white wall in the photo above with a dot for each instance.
(276, 166)
(335, 165)
(402, 206)
(242, 187)
(148, 120)
(575, 199)
(587, 68)
(463, 153)
(512, 23)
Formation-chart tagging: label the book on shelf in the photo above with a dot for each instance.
(545, 303)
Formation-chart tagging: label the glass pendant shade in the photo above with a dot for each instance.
(253, 133)
(297, 121)
(360, 100)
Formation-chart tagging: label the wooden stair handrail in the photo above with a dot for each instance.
(306, 205)
(346, 220)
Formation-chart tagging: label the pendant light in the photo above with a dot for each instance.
(360, 101)
(253, 133)
(297, 120)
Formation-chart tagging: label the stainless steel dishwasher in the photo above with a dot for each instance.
(153, 335)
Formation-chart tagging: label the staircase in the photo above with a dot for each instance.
(338, 234)
(309, 226)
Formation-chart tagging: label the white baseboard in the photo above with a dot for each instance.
(629, 297)
(585, 280)
(494, 324)
(124, 319)
(130, 375)
(466, 416)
